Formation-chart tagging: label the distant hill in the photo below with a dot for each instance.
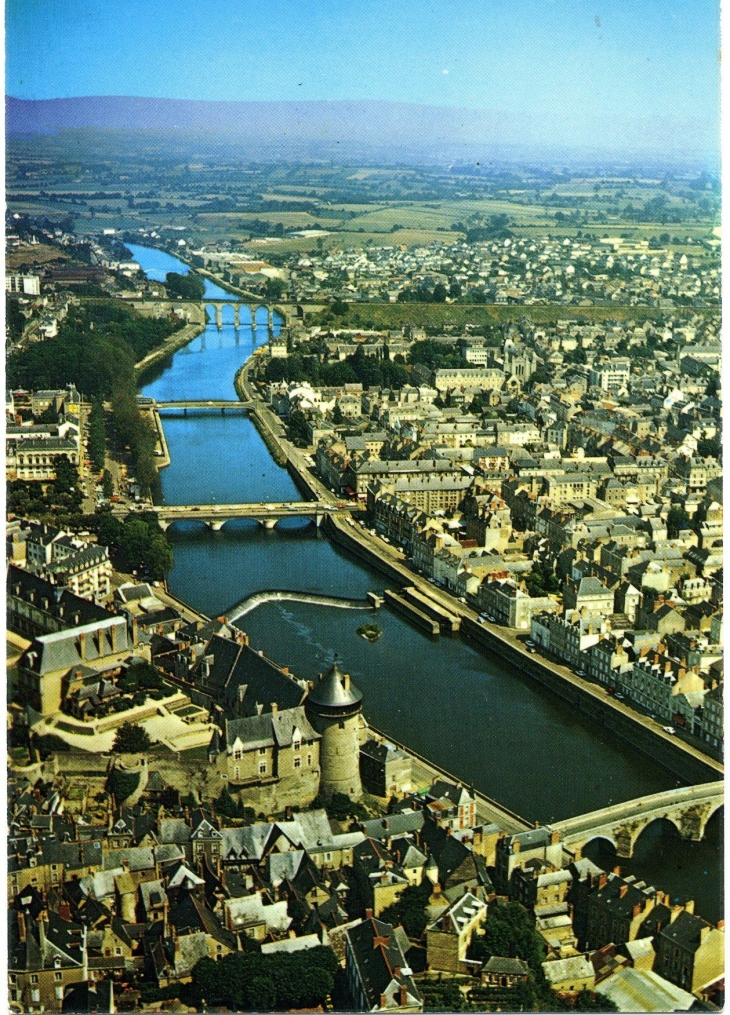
(375, 121)
(387, 130)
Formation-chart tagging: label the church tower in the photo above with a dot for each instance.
(333, 707)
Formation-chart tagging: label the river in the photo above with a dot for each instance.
(462, 708)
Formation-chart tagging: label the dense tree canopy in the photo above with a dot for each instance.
(250, 981)
(369, 371)
(96, 348)
(190, 287)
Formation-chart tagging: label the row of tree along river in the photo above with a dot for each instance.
(465, 710)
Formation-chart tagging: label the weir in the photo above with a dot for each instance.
(279, 595)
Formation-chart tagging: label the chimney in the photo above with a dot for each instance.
(554, 838)
(346, 681)
(617, 871)
(403, 996)
(603, 881)
(689, 906)
(721, 925)
(516, 846)
(623, 891)
(21, 927)
(368, 914)
(274, 707)
(383, 1001)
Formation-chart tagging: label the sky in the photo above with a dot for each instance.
(569, 65)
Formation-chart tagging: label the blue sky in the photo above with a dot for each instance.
(568, 64)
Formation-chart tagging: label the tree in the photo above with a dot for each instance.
(410, 909)
(131, 739)
(274, 288)
(509, 932)
(97, 436)
(190, 287)
(107, 484)
(298, 429)
(677, 519)
(588, 1000)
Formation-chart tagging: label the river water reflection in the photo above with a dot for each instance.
(464, 709)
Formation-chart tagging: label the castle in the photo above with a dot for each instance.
(286, 752)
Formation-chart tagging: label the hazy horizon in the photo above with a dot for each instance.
(640, 78)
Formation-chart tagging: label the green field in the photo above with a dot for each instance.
(393, 316)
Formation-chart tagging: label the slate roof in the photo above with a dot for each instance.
(499, 964)
(377, 954)
(393, 825)
(331, 692)
(61, 650)
(243, 678)
(67, 609)
(270, 730)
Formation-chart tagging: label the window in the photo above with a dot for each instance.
(262, 768)
(297, 745)
(58, 977)
(297, 762)
(117, 951)
(34, 978)
(309, 761)
(262, 750)
(238, 755)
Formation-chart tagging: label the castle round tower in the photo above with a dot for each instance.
(333, 706)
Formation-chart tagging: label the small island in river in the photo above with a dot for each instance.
(371, 632)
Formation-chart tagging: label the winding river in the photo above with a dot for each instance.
(466, 710)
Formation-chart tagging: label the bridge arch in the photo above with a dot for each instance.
(597, 838)
(705, 820)
(665, 821)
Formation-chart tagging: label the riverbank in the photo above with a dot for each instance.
(644, 734)
(178, 340)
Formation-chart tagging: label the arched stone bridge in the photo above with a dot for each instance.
(215, 516)
(688, 808)
(238, 305)
(290, 313)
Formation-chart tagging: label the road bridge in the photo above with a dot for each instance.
(688, 808)
(215, 516)
(203, 403)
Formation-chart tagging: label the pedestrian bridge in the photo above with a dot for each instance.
(215, 516)
(688, 808)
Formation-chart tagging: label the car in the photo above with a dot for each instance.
(669, 729)
(620, 697)
(580, 672)
(530, 645)
(480, 620)
(462, 600)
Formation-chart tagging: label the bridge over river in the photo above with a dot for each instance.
(688, 808)
(202, 404)
(215, 516)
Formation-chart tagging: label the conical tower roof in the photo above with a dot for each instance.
(335, 690)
